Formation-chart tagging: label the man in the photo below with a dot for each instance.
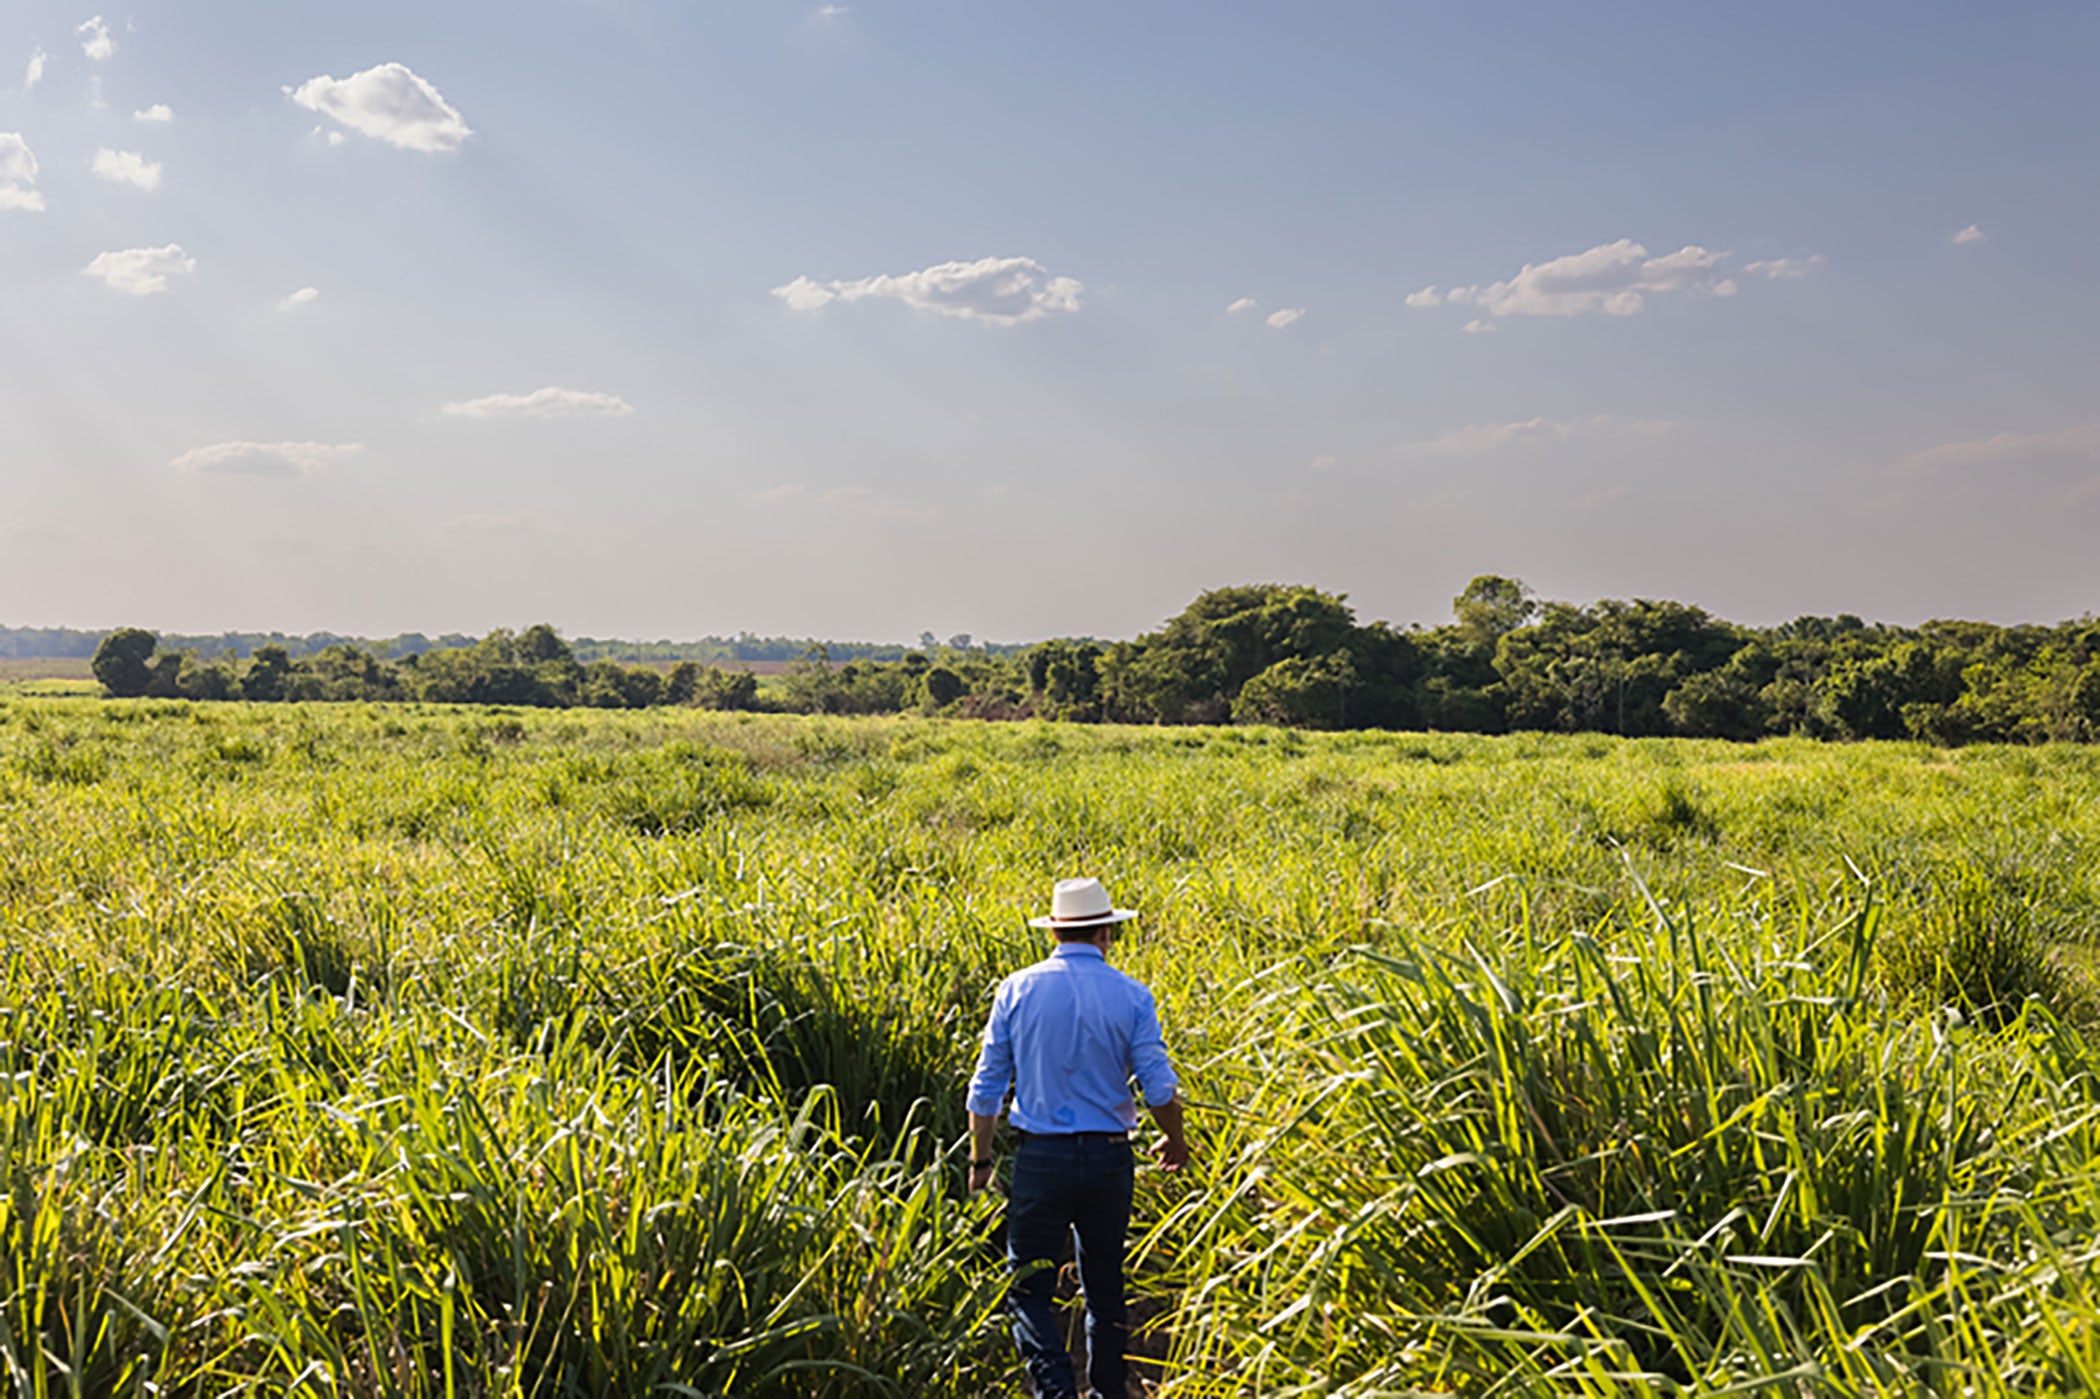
(1069, 1034)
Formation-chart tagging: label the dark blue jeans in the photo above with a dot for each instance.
(1077, 1187)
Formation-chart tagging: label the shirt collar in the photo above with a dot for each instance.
(1077, 949)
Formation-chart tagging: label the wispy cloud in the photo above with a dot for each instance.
(1245, 303)
(142, 271)
(18, 175)
(1612, 279)
(94, 39)
(1488, 437)
(833, 11)
(1971, 234)
(1476, 326)
(126, 168)
(388, 103)
(35, 74)
(301, 297)
(159, 114)
(1785, 268)
(264, 458)
(2081, 443)
(992, 291)
(542, 403)
(1289, 315)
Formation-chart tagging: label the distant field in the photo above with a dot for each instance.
(21, 670)
(16, 669)
(758, 668)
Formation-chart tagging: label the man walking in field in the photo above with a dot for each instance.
(1069, 1034)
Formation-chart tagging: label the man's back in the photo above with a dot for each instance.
(1070, 1032)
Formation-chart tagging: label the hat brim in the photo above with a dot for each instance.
(1114, 915)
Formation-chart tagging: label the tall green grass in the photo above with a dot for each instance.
(399, 1051)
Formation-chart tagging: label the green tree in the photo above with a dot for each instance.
(1301, 692)
(1492, 606)
(682, 685)
(199, 679)
(122, 662)
(720, 688)
(269, 673)
(1065, 679)
(1194, 666)
(540, 643)
(942, 687)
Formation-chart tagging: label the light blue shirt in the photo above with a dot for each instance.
(1069, 1034)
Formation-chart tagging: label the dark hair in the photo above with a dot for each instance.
(1084, 932)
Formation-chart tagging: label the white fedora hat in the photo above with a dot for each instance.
(1081, 903)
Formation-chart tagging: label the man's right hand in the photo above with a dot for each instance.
(1173, 1150)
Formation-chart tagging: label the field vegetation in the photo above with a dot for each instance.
(399, 1050)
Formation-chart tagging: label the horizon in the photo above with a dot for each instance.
(856, 320)
(990, 642)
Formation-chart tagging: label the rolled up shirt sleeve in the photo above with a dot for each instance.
(1148, 1056)
(995, 1063)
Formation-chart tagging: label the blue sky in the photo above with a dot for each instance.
(662, 319)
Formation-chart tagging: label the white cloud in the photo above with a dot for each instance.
(1279, 319)
(1612, 278)
(1785, 268)
(142, 271)
(1427, 296)
(542, 403)
(1487, 437)
(833, 11)
(35, 75)
(2076, 443)
(94, 39)
(1322, 462)
(388, 103)
(298, 298)
(159, 114)
(18, 175)
(126, 168)
(1971, 234)
(993, 290)
(1245, 303)
(264, 458)
(1477, 326)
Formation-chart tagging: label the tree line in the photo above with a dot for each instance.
(71, 643)
(1293, 655)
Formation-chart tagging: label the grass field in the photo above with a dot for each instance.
(47, 678)
(399, 1051)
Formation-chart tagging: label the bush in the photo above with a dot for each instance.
(121, 662)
